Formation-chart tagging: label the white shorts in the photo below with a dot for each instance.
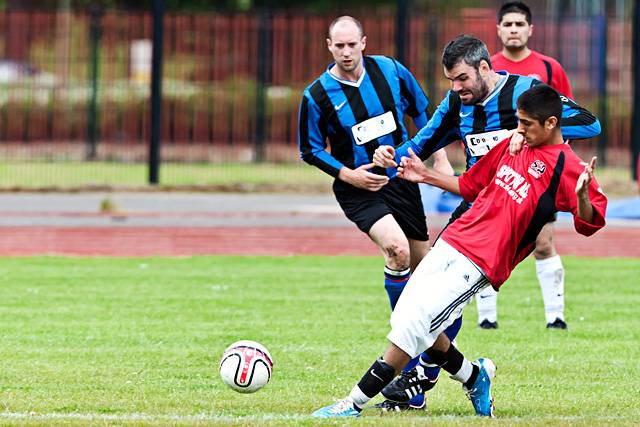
(444, 282)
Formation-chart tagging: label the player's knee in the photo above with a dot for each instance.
(397, 254)
(544, 248)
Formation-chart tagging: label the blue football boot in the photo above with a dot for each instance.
(342, 408)
(480, 392)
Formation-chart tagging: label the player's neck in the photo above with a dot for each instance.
(516, 55)
(351, 76)
(556, 139)
(494, 79)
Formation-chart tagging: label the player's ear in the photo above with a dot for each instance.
(484, 67)
(530, 30)
(363, 40)
(328, 43)
(551, 122)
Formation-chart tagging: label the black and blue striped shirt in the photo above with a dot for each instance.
(331, 107)
(454, 121)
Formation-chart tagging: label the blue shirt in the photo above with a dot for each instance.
(454, 121)
(331, 108)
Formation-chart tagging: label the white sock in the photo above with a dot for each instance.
(358, 398)
(464, 373)
(486, 302)
(551, 277)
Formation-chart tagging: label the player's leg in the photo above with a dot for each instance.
(432, 300)
(389, 237)
(375, 214)
(404, 200)
(487, 305)
(550, 276)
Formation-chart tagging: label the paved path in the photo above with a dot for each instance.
(171, 224)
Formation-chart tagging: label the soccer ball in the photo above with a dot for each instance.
(246, 366)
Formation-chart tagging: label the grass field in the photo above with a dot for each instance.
(232, 176)
(137, 342)
(297, 177)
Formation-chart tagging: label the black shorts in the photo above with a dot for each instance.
(399, 198)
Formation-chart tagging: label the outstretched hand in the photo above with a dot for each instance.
(582, 186)
(412, 169)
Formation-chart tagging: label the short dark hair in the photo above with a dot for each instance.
(345, 18)
(541, 102)
(515, 7)
(465, 48)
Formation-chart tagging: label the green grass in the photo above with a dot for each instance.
(137, 342)
(43, 175)
(299, 177)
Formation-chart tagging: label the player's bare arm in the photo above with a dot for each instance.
(585, 209)
(413, 169)
(384, 156)
(362, 178)
(441, 162)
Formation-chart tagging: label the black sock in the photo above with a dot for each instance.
(377, 377)
(451, 361)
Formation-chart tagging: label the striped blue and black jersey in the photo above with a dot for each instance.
(481, 126)
(357, 117)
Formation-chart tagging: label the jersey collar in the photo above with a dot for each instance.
(347, 82)
(497, 89)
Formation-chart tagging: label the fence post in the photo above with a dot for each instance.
(402, 29)
(264, 62)
(95, 32)
(156, 91)
(602, 88)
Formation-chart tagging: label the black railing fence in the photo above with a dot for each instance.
(76, 84)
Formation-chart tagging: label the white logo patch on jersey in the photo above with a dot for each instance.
(479, 144)
(373, 128)
(513, 183)
(537, 168)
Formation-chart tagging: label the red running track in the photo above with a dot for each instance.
(277, 241)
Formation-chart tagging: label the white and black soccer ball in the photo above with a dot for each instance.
(246, 366)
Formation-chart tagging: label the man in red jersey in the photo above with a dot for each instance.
(513, 196)
(515, 29)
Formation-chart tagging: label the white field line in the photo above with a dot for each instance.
(145, 417)
(263, 417)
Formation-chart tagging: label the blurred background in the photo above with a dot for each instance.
(76, 78)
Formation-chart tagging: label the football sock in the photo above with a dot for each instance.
(551, 277)
(377, 377)
(454, 363)
(432, 369)
(486, 302)
(394, 283)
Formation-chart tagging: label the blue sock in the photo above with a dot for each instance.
(430, 369)
(394, 283)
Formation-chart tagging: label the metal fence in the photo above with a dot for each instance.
(75, 84)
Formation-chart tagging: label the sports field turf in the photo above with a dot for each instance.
(137, 342)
